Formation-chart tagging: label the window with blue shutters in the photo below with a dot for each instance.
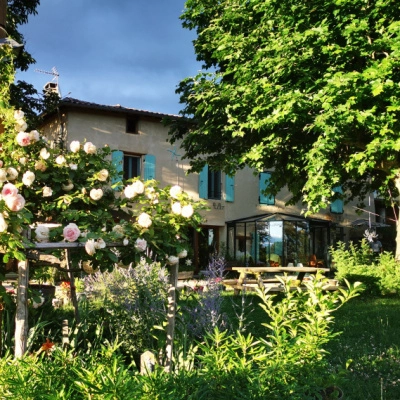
(149, 167)
(337, 205)
(263, 185)
(209, 184)
(229, 188)
(132, 166)
(203, 183)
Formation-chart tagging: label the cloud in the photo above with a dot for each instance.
(130, 52)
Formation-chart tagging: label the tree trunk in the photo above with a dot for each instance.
(397, 182)
(171, 316)
(21, 317)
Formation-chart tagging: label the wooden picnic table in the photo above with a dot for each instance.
(257, 271)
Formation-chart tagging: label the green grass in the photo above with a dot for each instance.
(368, 347)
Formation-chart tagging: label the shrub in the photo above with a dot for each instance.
(355, 263)
(134, 300)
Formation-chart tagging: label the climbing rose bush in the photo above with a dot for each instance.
(72, 193)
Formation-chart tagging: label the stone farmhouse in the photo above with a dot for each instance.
(247, 226)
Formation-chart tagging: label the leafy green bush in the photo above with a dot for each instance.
(355, 263)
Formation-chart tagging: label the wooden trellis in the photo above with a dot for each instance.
(33, 253)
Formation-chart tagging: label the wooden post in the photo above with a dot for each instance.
(171, 316)
(72, 286)
(21, 317)
(65, 334)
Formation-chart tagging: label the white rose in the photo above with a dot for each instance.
(130, 192)
(100, 244)
(96, 194)
(22, 160)
(75, 146)
(3, 223)
(89, 148)
(118, 230)
(3, 175)
(60, 160)
(74, 167)
(90, 247)
(138, 187)
(182, 254)
(44, 153)
(42, 233)
(176, 208)
(175, 191)
(144, 220)
(102, 175)
(140, 244)
(34, 136)
(19, 114)
(21, 125)
(187, 211)
(47, 191)
(172, 260)
(12, 174)
(125, 242)
(28, 178)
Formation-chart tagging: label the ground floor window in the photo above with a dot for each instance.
(277, 239)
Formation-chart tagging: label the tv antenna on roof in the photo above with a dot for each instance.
(53, 86)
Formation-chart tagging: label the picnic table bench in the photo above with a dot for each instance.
(250, 284)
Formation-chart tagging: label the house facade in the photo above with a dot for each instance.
(243, 223)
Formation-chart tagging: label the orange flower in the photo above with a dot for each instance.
(47, 346)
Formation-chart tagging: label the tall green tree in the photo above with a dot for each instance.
(23, 95)
(309, 88)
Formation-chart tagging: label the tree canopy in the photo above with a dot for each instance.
(309, 89)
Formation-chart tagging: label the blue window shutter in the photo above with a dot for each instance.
(117, 159)
(337, 205)
(263, 184)
(149, 167)
(229, 188)
(203, 183)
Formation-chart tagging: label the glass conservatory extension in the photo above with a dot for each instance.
(279, 239)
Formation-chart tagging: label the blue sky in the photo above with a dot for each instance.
(128, 52)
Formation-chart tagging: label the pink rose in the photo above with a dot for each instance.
(15, 203)
(140, 244)
(23, 139)
(71, 232)
(9, 190)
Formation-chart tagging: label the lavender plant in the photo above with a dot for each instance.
(206, 314)
(134, 300)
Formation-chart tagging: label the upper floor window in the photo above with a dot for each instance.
(134, 165)
(132, 125)
(264, 179)
(210, 184)
(337, 205)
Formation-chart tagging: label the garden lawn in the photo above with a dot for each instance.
(369, 344)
